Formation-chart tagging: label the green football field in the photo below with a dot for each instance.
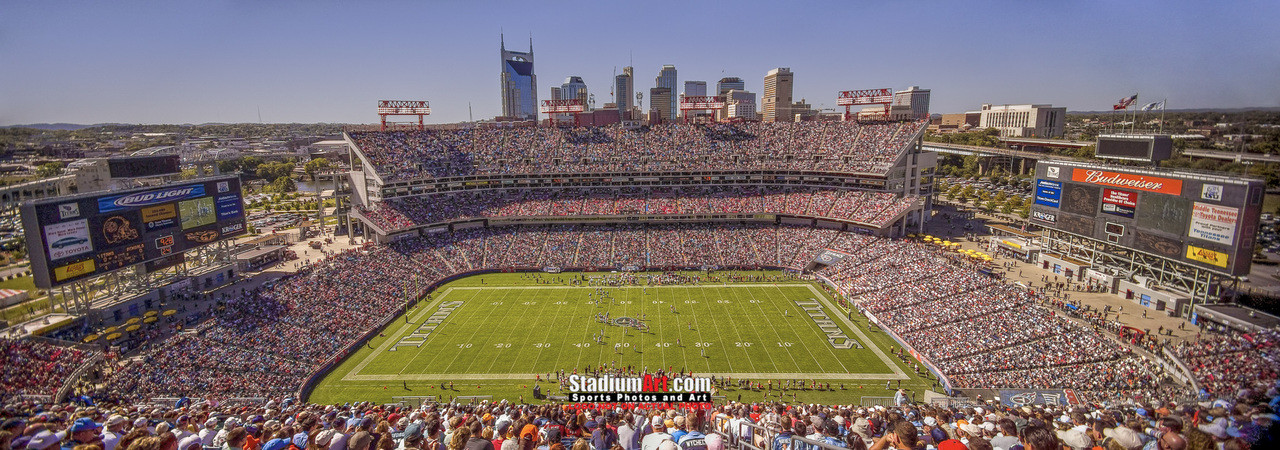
(493, 334)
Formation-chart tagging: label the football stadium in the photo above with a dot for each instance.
(692, 285)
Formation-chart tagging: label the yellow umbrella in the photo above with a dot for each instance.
(109, 329)
(170, 312)
(132, 320)
(151, 313)
(91, 338)
(132, 328)
(113, 336)
(149, 320)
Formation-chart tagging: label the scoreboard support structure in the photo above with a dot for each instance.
(700, 103)
(1205, 286)
(420, 108)
(849, 99)
(571, 106)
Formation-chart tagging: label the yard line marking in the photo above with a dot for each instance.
(775, 332)
(822, 297)
(786, 298)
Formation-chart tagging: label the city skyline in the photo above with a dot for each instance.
(225, 61)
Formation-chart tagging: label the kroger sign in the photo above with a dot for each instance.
(108, 204)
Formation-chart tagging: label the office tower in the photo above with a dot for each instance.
(739, 105)
(729, 83)
(573, 87)
(623, 92)
(660, 100)
(694, 89)
(667, 79)
(519, 84)
(915, 98)
(777, 95)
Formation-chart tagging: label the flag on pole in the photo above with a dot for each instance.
(1125, 102)
(1150, 106)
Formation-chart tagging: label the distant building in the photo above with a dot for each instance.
(667, 79)
(660, 101)
(695, 88)
(623, 92)
(896, 112)
(1041, 121)
(955, 123)
(573, 87)
(519, 84)
(776, 104)
(802, 111)
(727, 84)
(739, 105)
(915, 98)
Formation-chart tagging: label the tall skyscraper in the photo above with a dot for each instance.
(727, 84)
(519, 84)
(777, 95)
(693, 89)
(660, 100)
(573, 87)
(667, 79)
(915, 98)
(623, 92)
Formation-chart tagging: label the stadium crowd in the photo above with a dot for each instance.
(977, 331)
(817, 146)
(983, 333)
(32, 367)
(874, 208)
(284, 424)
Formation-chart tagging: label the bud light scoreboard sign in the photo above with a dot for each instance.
(77, 237)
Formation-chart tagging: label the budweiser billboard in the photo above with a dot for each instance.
(403, 107)
(865, 97)
(1127, 180)
(701, 102)
(572, 105)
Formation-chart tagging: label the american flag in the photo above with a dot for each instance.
(1125, 102)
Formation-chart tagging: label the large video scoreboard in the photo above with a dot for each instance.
(1210, 221)
(76, 237)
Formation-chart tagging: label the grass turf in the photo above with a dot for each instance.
(512, 326)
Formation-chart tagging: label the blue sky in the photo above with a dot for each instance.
(299, 61)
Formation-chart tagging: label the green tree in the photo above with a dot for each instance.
(283, 184)
(50, 169)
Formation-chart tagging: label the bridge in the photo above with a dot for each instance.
(1232, 156)
(1013, 161)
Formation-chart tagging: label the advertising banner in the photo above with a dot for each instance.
(1128, 180)
(67, 239)
(1207, 256)
(1048, 193)
(1214, 223)
(1119, 203)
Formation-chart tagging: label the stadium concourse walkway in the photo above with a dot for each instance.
(1128, 312)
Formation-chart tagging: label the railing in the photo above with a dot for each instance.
(75, 377)
(1174, 365)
